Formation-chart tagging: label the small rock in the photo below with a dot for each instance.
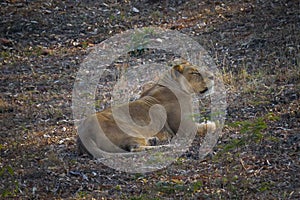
(134, 9)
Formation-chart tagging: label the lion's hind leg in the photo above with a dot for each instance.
(146, 148)
(135, 144)
(142, 144)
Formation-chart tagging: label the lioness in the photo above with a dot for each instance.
(100, 131)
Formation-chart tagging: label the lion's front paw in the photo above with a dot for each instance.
(206, 127)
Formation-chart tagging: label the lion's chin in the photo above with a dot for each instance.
(207, 91)
(204, 91)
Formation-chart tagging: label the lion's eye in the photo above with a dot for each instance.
(196, 73)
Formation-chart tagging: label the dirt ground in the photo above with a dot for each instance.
(255, 45)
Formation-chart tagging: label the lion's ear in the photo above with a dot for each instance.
(177, 70)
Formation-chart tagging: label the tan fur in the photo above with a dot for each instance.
(183, 77)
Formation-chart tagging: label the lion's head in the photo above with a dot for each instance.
(191, 79)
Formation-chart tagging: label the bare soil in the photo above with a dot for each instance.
(254, 43)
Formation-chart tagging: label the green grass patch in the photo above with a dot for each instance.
(250, 131)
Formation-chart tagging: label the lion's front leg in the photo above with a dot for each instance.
(206, 127)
